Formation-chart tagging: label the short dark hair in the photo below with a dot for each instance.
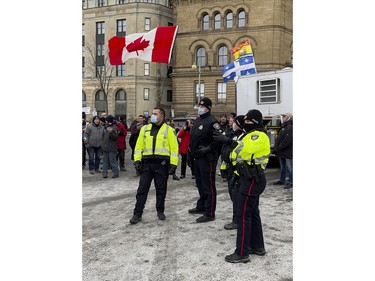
(162, 111)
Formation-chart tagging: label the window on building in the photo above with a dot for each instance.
(100, 101)
(120, 102)
(100, 3)
(169, 96)
(121, 28)
(147, 69)
(83, 72)
(99, 70)
(121, 1)
(146, 94)
(241, 19)
(100, 27)
(223, 55)
(201, 57)
(120, 70)
(205, 22)
(199, 91)
(100, 49)
(217, 21)
(147, 24)
(268, 91)
(221, 93)
(84, 102)
(229, 20)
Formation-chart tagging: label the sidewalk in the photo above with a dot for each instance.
(177, 248)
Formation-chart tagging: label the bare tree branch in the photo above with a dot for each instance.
(101, 76)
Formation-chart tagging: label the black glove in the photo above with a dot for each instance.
(172, 169)
(138, 166)
(202, 151)
(223, 173)
(234, 180)
(219, 137)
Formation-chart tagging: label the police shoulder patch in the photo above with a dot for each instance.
(254, 137)
(217, 126)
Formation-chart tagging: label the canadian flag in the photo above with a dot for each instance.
(155, 45)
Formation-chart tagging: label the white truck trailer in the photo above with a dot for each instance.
(270, 92)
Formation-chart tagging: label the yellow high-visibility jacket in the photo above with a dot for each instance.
(166, 143)
(255, 144)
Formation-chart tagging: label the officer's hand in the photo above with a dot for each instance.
(203, 151)
(219, 137)
(172, 169)
(223, 173)
(138, 166)
(234, 180)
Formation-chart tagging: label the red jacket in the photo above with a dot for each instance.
(121, 144)
(185, 141)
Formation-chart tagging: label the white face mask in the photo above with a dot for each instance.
(201, 110)
(154, 119)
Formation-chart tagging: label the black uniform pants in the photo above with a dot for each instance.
(233, 187)
(158, 172)
(183, 164)
(205, 180)
(121, 157)
(249, 224)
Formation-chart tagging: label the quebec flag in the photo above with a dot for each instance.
(245, 65)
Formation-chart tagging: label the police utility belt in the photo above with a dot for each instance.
(156, 159)
(249, 171)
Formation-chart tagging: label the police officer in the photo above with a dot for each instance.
(237, 134)
(250, 157)
(205, 152)
(155, 158)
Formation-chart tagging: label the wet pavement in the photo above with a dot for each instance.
(177, 248)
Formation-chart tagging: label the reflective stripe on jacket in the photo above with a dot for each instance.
(255, 145)
(166, 143)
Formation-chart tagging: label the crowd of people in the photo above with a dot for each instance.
(239, 144)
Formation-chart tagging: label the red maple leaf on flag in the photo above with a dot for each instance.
(139, 44)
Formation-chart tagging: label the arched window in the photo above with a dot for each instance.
(217, 21)
(100, 102)
(223, 55)
(241, 19)
(201, 57)
(205, 22)
(229, 20)
(120, 102)
(84, 102)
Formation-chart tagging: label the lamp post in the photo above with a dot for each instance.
(194, 66)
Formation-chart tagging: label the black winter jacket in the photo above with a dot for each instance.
(284, 142)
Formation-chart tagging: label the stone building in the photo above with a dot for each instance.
(208, 30)
(137, 86)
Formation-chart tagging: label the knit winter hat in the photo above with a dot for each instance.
(206, 102)
(240, 119)
(255, 116)
(109, 119)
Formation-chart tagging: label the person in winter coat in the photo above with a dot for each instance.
(121, 144)
(109, 146)
(184, 135)
(284, 150)
(84, 140)
(135, 127)
(94, 133)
